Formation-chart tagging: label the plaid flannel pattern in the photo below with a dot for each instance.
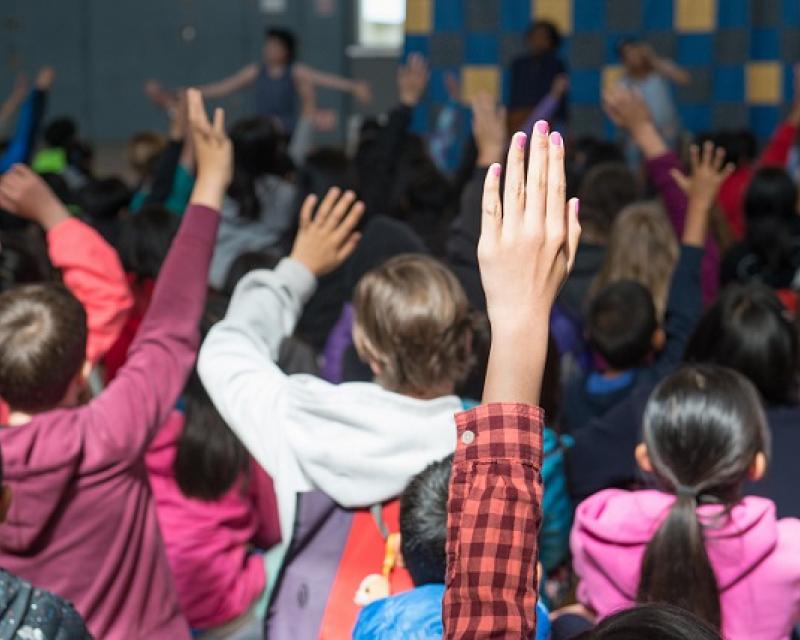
(494, 513)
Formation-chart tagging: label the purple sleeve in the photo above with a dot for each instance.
(543, 111)
(675, 202)
(124, 418)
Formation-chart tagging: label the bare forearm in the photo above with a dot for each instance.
(331, 80)
(672, 70)
(649, 140)
(509, 377)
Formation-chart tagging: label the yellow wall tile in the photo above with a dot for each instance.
(695, 15)
(477, 79)
(419, 16)
(559, 11)
(764, 83)
(611, 75)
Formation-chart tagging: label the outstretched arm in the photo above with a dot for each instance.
(358, 88)
(14, 100)
(526, 250)
(668, 68)
(29, 121)
(231, 84)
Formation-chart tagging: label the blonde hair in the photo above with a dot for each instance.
(412, 320)
(143, 150)
(642, 247)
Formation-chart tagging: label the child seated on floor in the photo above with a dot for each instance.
(423, 534)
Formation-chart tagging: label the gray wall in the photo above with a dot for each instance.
(104, 50)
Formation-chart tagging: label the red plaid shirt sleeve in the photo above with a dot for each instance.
(494, 513)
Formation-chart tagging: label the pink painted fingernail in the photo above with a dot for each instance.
(496, 170)
(521, 140)
(542, 128)
(555, 138)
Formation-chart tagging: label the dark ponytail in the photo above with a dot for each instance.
(703, 427)
(210, 457)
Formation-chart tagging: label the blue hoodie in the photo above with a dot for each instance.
(417, 615)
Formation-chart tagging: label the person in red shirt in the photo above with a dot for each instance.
(527, 247)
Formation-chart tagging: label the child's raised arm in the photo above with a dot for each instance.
(527, 247)
(89, 265)
(127, 414)
(237, 363)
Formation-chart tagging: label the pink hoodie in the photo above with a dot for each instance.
(210, 543)
(755, 557)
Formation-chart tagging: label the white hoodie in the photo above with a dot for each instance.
(357, 442)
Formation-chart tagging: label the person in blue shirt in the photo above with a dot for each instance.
(417, 614)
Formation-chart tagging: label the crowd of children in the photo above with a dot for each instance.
(275, 390)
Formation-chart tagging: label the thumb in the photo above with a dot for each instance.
(680, 179)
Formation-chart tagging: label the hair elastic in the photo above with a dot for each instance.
(685, 491)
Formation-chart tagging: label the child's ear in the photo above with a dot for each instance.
(643, 458)
(86, 370)
(758, 467)
(658, 340)
(5, 501)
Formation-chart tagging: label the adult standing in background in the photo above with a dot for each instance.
(274, 81)
(651, 76)
(534, 74)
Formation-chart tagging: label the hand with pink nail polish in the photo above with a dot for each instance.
(526, 250)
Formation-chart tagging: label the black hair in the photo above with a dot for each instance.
(287, 39)
(627, 41)
(703, 426)
(105, 198)
(259, 149)
(59, 186)
(770, 207)
(60, 132)
(210, 458)
(145, 240)
(606, 189)
(620, 324)
(244, 264)
(740, 145)
(24, 259)
(423, 523)
(748, 329)
(325, 168)
(658, 621)
(552, 32)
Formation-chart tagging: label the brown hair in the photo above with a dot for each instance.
(414, 321)
(605, 190)
(42, 345)
(642, 248)
(144, 148)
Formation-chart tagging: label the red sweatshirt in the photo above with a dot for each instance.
(732, 192)
(83, 520)
(91, 270)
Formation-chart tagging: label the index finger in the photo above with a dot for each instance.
(197, 110)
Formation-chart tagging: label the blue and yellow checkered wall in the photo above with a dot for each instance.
(740, 52)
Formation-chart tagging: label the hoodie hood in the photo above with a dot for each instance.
(39, 466)
(612, 530)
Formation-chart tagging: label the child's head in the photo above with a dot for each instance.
(770, 207)
(413, 326)
(104, 199)
(652, 621)
(633, 54)
(244, 264)
(642, 247)
(280, 46)
(423, 523)
(621, 325)
(705, 433)
(748, 330)
(606, 189)
(61, 132)
(23, 258)
(42, 347)
(145, 240)
(259, 149)
(143, 151)
(542, 36)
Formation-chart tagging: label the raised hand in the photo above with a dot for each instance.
(708, 172)
(488, 129)
(527, 248)
(326, 239)
(362, 92)
(626, 107)
(45, 78)
(213, 151)
(412, 79)
(25, 194)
